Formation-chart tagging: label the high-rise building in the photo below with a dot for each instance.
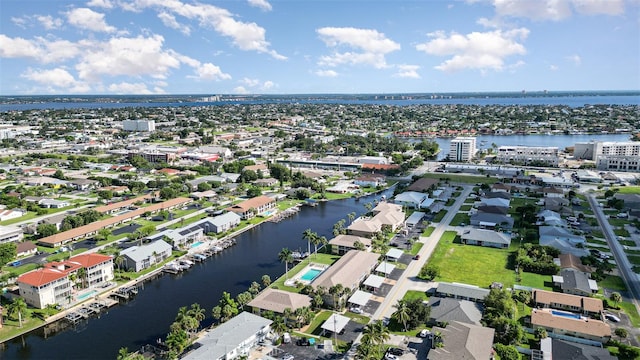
(462, 149)
(139, 125)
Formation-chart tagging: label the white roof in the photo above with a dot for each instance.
(415, 217)
(385, 267)
(394, 253)
(139, 253)
(335, 323)
(360, 298)
(375, 281)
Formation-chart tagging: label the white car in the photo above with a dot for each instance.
(612, 317)
(388, 356)
(424, 333)
(356, 310)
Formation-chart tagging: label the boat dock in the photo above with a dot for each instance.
(285, 214)
(125, 293)
(90, 309)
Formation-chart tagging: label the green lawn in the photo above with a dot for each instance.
(415, 294)
(628, 189)
(416, 248)
(465, 207)
(459, 219)
(315, 328)
(468, 179)
(440, 215)
(614, 283)
(536, 281)
(475, 265)
(428, 231)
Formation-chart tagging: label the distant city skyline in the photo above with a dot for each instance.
(317, 47)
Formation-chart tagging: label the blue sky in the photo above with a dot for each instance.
(317, 46)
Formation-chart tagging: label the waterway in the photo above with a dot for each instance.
(148, 317)
(559, 141)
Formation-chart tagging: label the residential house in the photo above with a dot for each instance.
(555, 300)
(553, 192)
(349, 271)
(461, 291)
(413, 200)
(341, 244)
(563, 240)
(550, 218)
(423, 185)
(83, 184)
(575, 326)
(260, 205)
(370, 180)
(557, 204)
(26, 248)
(53, 203)
(6, 214)
(268, 182)
(463, 341)
(570, 261)
(11, 234)
(498, 195)
(224, 222)
(484, 237)
(551, 348)
(385, 214)
(493, 209)
(138, 258)
(447, 310)
(278, 300)
(575, 282)
(491, 221)
(501, 187)
(495, 201)
(232, 339)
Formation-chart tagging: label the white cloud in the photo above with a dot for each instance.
(575, 59)
(49, 22)
(20, 21)
(250, 82)
(85, 18)
(240, 90)
(408, 71)
(326, 73)
(56, 78)
(209, 71)
(268, 85)
(18, 48)
(255, 84)
(246, 36)
(130, 88)
(557, 9)
(553, 67)
(127, 56)
(262, 4)
(372, 46)
(170, 21)
(476, 50)
(106, 4)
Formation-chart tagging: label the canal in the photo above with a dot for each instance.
(148, 317)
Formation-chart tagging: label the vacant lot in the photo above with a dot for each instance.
(470, 264)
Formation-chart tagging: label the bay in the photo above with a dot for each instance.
(148, 317)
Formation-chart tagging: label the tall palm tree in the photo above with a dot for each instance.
(119, 259)
(196, 312)
(278, 325)
(351, 216)
(336, 291)
(266, 280)
(286, 257)
(402, 313)
(123, 354)
(18, 307)
(310, 236)
(375, 334)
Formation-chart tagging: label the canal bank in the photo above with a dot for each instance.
(147, 316)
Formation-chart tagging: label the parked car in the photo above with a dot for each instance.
(424, 333)
(355, 310)
(395, 351)
(286, 338)
(287, 357)
(16, 263)
(389, 356)
(417, 257)
(612, 317)
(303, 342)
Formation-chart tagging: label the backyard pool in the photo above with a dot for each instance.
(87, 294)
(311, 274)
(565, 314)
(196, 244)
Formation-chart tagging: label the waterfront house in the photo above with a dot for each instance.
(568, 324)
(224, 222)
(555, 300)
(349, 271)
(138, 258)
(423, 185)
(278, 300)
(487, 238)
(52, 284)
(463, 341)
(371, 180)
(341, 244)
(364, 227)
(413, 200)
(260, 205)
(232, 339)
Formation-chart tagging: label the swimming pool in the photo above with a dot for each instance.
(196, 244)
(565, 314)
(87, 294)
(311, 274)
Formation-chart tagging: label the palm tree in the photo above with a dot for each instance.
(336, 291)
(278, 325)
(82, 275)
(402, 313)
(266, 280)
(123, 354)
(375, 334)
(286, 314)
(119, 259)
(310, 236)
(616, 298)
(286, 257)
(351, 216)
(18, 306)
(196, 312)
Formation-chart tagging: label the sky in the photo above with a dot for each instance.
(317, 46)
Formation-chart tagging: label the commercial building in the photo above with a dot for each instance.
(525, 155)
(139, 125)
(462, 149)
(614, 156)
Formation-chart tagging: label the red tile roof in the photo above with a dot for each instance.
(89, 260)
(41, 277)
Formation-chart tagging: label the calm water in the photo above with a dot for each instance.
(148, 317)
(560, 141)
(568, 100)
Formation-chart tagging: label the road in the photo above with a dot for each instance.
(624, 266)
